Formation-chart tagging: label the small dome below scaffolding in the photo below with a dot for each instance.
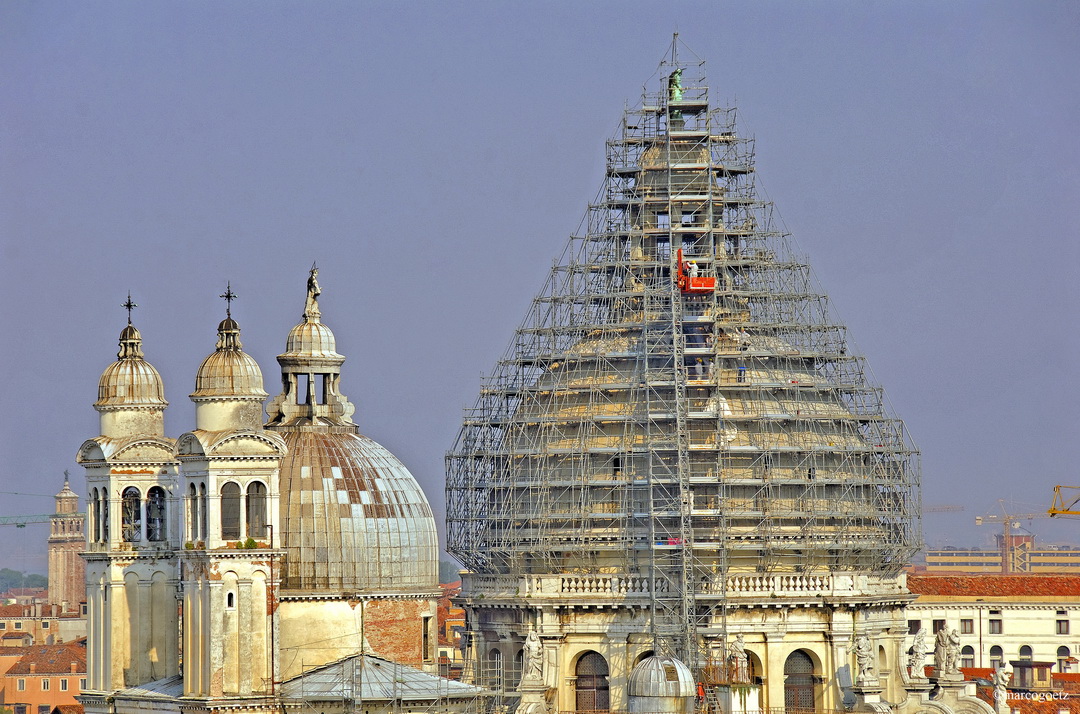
(661, 684)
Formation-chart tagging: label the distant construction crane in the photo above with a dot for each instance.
(22, 521)
(1014, 556)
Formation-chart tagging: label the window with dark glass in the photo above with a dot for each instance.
(1063, 657)
(994, 627)
(192, 514)
(1062, 627)
(230, 511)
(967, 627)
(995, 657)
(939, 625)
(256, 510)
(967, 656)
(131, 515)
(155, 514)
(92, 515)
(204, 508)
(1025, 652)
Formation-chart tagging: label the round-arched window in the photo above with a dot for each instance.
(131, 515)
(230, 511)
(155, 514)
(591, 686)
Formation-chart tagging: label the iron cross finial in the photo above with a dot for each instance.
(229, 296)
(129, 306)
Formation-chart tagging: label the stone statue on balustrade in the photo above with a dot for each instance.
(947, 652)
(1001, 682)
(864, 658)
(917, 655)
(533, 667)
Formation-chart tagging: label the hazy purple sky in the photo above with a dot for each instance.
(433, 157)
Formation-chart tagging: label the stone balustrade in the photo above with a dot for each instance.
(629, 587)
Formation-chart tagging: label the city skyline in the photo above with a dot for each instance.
(433, 165)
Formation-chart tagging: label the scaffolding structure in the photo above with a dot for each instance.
(679, 406)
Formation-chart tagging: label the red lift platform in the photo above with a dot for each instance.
(693, 285)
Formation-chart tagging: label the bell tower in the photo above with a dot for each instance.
(229, 566)
(132, 533)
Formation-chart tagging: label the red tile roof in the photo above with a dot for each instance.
(995, 585)
(52, 659)
(68, 709)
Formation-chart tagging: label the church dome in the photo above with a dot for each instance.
(311, 339)
(229, 372)
(353, 518)
(130, 381)
(661, 676)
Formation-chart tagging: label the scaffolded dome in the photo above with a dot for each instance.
(680, 413)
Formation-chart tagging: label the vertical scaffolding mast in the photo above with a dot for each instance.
(679, 405)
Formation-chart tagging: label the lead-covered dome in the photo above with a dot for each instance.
(229, 371)
(353, 518)
(311, 338)
(130, 381)
(661, 676)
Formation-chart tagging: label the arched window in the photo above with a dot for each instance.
(1063, 657)
(192, 513)
(104, 516)
(94, 511)
(256, 510)
(230, 601)
(131, 514)
(591, 686)
(204, 508)
(996, 656)
(155, 515)
(519, 666)
(495, 670)
(800, 681)
(1025, 652)
(967, 656)
(230, 511)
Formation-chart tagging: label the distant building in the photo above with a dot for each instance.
(43, 624)
(44, 677)
(67, 570)
(1022, 556)
(451, 632)
(1001, 618)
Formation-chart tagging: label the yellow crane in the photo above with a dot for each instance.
(1065, 501)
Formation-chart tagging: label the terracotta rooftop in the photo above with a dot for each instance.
(995, 585)
(52, 659)
(68, 709)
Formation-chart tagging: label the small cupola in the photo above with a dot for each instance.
(229, 390)
(311, 373)
(131, 396)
